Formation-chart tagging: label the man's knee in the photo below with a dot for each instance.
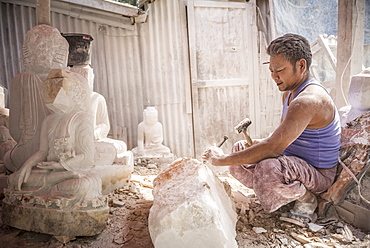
(267, 168)
(236, 170)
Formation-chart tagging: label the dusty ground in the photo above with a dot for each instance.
(129, 211)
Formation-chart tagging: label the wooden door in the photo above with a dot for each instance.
(224, 70)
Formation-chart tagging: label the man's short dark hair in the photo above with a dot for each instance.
(293, 47)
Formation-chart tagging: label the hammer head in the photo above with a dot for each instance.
(243, 125)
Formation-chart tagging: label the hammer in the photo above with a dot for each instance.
(242, 127)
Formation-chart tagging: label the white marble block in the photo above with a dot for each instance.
(191, 208)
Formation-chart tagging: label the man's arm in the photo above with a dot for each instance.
(300, 114)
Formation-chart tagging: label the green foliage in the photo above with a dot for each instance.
(132, 2)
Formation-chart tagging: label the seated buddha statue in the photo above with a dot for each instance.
(150, 136)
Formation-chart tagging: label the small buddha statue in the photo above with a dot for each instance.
(358, 97)
(150, 136)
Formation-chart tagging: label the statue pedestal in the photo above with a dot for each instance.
(56, 222)
(114, 176)
(67, 222)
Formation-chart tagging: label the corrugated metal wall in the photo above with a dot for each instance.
(135, 66)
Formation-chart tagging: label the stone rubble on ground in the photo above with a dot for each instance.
(127, 225)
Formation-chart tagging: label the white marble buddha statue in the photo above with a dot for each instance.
(358, 97)
(101, 119)
(44, 49)
(150, 136)
(60, 173)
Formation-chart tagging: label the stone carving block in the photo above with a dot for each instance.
(191, 208)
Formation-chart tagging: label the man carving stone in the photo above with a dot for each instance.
(298, 160)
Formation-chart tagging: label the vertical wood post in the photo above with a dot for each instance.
(351, 15)
(43, 12)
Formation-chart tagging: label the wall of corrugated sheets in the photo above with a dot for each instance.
(135, 66)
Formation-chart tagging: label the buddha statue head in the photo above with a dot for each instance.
(150, 115)
(44, 48)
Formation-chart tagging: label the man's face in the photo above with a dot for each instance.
(285, 75)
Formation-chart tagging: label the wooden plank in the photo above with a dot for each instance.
(215, 4)
(43, 12)
(254, 99)
(328, 52)
(192, 41)
(193, 66)
(110, 6)
(350, 46)
(354, 214)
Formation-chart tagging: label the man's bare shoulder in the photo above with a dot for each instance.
(315, 101)
(314, 95)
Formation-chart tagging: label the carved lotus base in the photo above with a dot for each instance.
(55, 222)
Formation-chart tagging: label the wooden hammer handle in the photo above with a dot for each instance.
(248, 138)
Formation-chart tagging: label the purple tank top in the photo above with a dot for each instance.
(319, 147)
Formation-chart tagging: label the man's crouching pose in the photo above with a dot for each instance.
(298, 160)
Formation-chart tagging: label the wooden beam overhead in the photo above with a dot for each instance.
(43, 12)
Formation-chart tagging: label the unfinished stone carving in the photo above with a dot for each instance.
(358, 97)
(43, 49)
(191, 208)
(150, 137)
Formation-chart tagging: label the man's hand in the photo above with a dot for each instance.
(212, 155)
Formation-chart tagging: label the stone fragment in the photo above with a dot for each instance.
(259, 230)
(118, 203)
(300, 238)
(314, 227)
(191, 208)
